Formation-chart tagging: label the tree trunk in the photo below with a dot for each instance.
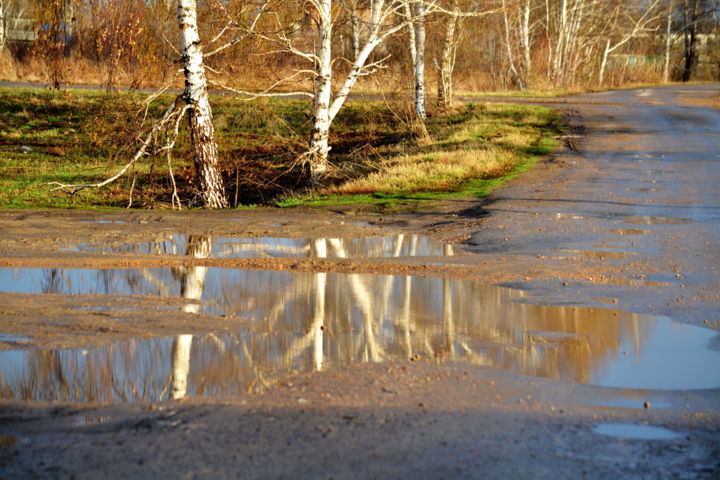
(603, 64)
(320, 131)
(668, 37)
(3, 29)
(525, 39)
(692, 8)
(447, 60)
(419, 66)
(202, 132)
(355, 24)
(508, 49)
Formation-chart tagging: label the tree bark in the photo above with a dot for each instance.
(692, 10)
(668, 38)
(3, 29)
(420, 62)
(508, 49)
(202, 132)
(320, 132)
(447, 60)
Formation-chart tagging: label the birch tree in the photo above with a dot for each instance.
(3, 26)
(668, 40)
(625, 23)
(446, 67)
(378, 20)
(194, 103)
(202, 131)
(415, 13)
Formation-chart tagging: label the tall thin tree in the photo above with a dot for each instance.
(202, 131)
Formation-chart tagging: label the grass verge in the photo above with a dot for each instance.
(379, 155)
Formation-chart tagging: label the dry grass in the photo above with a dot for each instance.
(468, 143)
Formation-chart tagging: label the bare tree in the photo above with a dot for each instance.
(446, 67)
(194, 102)
(625, 23)
(378, 20)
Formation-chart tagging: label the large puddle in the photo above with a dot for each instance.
(201, 246)
(290, 322)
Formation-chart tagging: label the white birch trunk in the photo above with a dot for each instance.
(508, 49)
(320, 132)
(603, 64)
(202, 132)
(3, 29)
(668, 37)
(525, 39)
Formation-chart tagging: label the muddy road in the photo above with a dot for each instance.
(567, 327)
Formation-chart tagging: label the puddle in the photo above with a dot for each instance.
(629, 231)
(87, 420)
(630, 282)
(629, 403)
(105, 221)
(656, 220)
(634, 431)
(647, 189)
(6, 338)
(206, 247)
(291, 322)
(597, 255)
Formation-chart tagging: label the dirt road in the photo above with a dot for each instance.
(445, 378)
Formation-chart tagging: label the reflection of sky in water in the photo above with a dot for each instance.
(299, 321)
(365, 247)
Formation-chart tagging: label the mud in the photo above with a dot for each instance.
(581, 231)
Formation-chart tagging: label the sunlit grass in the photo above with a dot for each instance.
(379, 154)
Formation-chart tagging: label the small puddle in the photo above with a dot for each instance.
(597, 255)
(631, 282)
(628, 403)
(291, 322)
(6, 338)
(656, 220)
(629, 231)
(101, 222)
(648, 189)
(634, 431)
(206, 247)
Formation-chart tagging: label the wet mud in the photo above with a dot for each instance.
(566, 327)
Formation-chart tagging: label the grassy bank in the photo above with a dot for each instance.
(379, 154)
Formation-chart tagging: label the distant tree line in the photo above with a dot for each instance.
(483, 45)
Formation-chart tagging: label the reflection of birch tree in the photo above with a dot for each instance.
(192, 283)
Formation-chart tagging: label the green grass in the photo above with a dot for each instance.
(379, 155)
(468, 152)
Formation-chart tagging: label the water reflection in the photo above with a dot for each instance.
(366, 247)
(296, 321)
